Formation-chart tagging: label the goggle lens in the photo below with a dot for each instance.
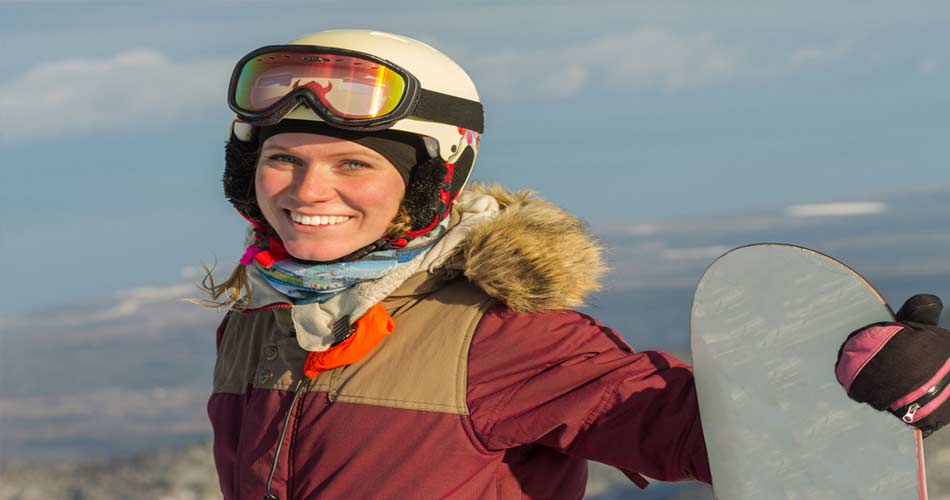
(349, 87)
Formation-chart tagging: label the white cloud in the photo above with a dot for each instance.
(928, 65)
(696, 253)
(569, 81)
(133, 88)
(649, 57)
(836, 209)
(131, 301)
(818, 55)
(150, 294)
(641, 58)
(192, 273)
(644, 229)
(122, 304)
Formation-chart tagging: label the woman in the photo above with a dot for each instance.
(391, 336)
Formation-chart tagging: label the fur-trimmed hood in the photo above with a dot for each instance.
(532, 255)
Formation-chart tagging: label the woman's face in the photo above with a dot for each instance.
(325, 197)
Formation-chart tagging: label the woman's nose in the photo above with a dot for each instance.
(313, 184)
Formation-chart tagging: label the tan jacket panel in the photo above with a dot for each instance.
(422, 365)
(259, 349)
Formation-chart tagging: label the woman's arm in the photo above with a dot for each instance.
(563, 380)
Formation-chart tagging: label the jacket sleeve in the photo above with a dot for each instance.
(563, 380)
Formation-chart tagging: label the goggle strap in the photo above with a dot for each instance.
(443, 108)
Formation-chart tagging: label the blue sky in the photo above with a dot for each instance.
(113, 115)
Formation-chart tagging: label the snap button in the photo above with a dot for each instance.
(270, 352)
(264, 376)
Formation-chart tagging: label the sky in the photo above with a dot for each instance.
(113, 115)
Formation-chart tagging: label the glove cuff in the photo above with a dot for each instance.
(887, 364)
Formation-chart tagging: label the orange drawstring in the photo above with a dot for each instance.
(371, 329)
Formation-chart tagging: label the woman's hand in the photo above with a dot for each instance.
(902, 367)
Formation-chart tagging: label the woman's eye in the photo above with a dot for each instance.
(354, 164)
(282, 158)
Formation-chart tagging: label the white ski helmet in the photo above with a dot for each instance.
(360, 82)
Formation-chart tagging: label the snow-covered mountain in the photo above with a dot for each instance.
(897, 235)
(899, 242)
(112, 375)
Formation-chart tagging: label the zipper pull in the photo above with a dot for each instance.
(911, 411)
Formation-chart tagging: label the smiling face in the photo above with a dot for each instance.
(326, 197)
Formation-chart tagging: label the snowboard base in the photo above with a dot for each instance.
(767, 322)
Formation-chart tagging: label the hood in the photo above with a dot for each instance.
(532, 255)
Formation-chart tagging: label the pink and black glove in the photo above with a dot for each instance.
(902, 367)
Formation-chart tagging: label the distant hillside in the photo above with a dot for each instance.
(112, 376)
(871, 234)
(177, 474)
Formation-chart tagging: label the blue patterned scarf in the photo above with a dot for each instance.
(308, 282)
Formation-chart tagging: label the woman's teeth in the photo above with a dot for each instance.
(317, 220)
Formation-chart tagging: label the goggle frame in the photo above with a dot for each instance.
(406, 107)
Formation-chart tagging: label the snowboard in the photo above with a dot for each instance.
(766, 325)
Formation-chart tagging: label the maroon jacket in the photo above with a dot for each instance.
(539, 406)
(465, 399)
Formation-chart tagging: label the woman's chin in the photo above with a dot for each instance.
(317, 252)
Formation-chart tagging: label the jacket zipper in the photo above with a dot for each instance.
(909, 411)
(268, 495)
(332, 391)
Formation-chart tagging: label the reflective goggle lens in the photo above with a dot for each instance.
(349, 87)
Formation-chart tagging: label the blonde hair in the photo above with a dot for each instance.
(235, 292)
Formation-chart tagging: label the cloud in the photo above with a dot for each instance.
(818, 55)
(643, 229)
(132, 300)
(645, 57)
(123, 304)
(192, 273)
(151, 294)
(648, 57)
(133, 88)
(836, 209)
(695, 253)
(928, 65)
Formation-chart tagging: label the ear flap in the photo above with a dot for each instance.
(427, 183)
(422, 200)
(240, 160)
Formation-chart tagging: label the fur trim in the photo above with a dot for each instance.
(533, 256)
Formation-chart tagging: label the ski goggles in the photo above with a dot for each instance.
(347, 89)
